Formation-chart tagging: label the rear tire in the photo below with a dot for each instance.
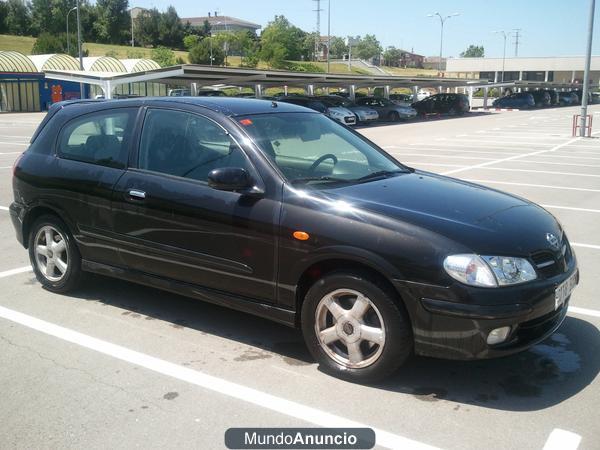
(54, 255)
(354, 328)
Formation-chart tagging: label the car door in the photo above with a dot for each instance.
(91, 154)
(173, 225)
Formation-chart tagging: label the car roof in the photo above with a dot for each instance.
(229, 106)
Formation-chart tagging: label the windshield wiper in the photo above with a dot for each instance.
(322, 178)
(380, 174)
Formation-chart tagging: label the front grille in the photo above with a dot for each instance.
(549, 263)
(350, 119)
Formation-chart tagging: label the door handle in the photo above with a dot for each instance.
(134, 193)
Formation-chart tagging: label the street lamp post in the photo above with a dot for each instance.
(328, 34)
(131, 15)
(68, 40)
(79, 49)
(503, 33)
(442, 21)
(586, 73)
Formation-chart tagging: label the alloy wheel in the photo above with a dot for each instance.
(350, 328)
(51, 254)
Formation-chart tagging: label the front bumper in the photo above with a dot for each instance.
(446, 328)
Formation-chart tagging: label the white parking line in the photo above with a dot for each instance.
(10, 273)
(546, 186)
(3, 208)
(215, 384)
(557, 163)
(571, 208)
(443, 156)
(550, 172)
(420, 163)
(584, 311)
(592, 246)
(510, 158)
(562, 440)
(15, 143)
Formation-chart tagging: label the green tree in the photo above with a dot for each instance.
(113, 23)
(54, 43)
(200, 53)
(165, 57)
(338, 47)
(367, 47)
(473, 51)
(190, 41)
(17, 18)
(146, 28)
(281, 41)
(170, 29)
(392, 56)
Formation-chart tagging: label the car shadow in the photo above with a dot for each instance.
(541, 377)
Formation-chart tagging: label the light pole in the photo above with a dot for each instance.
(328, 33)
(442, 21)
(79, 49)
(586, 73)
(68, 46)
(503, 33)
(131, 16)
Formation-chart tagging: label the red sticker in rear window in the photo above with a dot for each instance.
(246, 122)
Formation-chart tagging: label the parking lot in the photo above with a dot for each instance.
(120, 365)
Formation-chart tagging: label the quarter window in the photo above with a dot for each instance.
(98, 138)
(186, 145)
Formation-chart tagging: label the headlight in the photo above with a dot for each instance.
(489, 271)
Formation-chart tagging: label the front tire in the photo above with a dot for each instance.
(54, 255)
(354, 328)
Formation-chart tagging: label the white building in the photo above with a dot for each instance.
(560, 69)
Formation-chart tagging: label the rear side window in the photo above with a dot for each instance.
(98, 138)
(187, 145)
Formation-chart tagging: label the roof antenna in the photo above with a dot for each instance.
(274, 105)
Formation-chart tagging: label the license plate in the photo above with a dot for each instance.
(563, 290)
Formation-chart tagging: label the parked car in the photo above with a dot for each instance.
(553, 96)
(568, 98)
(363, 114)
(579, 93)
(595, 98)
(452, 104)
(386, 109)
(519, 100)
(541, 98)
(179, 93)
(337, 113)
(278, 211)
(211, 93)
(402, 99)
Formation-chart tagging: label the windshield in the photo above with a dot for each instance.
(313, 149)
(333, 102)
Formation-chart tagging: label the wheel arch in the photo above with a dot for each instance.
(34, 213)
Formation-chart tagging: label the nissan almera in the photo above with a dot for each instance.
(279, 211)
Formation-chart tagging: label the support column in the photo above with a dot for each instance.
(258, 90)
(352, 92)
(285, 90)
(573, 77)
(546, 76)
(107, 88)
(415, 90)
(194, 89)
(485, 98)
(386, 91)
(470, 97)
(495, 76)
(310, 89)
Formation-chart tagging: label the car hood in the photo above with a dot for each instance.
(364, 109)
(340, 110)
(484, 220)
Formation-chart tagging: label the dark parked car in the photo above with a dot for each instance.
(453, 104)
(579, 93)
(276, 210)
(568, 99)
(553, 96)
(520, 100)
(541, 98)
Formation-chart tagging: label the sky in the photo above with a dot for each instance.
(549, 27)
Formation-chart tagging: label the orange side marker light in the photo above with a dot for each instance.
(301, 235)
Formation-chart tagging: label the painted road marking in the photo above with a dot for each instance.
(209, 382)
(3, 208)
(592, 246)
(510, 158)
(584, 311)
(570, 208)
(546, 186)
(10, 273)
(562, 440)
(549, 172)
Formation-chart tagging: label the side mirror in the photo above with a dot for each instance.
(230, 179)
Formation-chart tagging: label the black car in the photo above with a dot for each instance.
(519, 100)
(452, 104)
(553, 96)
(567, 98)
(541, 98)
(276, 210)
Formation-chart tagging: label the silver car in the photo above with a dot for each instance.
(387, 109)
(362, 113)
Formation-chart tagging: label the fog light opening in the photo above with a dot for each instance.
(498, 335)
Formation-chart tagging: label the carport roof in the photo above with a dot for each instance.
(209, 76)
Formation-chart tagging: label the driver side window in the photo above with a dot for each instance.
(186, 145)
